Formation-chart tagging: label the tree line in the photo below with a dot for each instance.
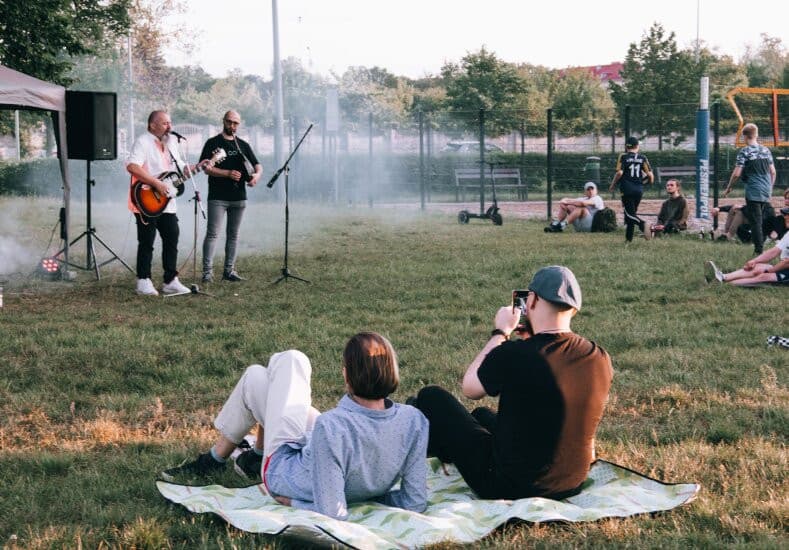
(84, 44)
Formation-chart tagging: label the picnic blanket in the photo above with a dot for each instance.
(453, 514)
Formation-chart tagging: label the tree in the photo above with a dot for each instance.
(581, 104)
(237, 92)
(535, 98)
(41, 38)
(768, 64)
(304, 92)
(482, 81)
(661, 83)
(363, 91)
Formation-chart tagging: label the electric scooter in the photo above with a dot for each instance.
(492, 213)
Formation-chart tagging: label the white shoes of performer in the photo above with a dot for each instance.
(146, 288)
(175, 287)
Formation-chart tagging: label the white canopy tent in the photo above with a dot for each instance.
(20, 91)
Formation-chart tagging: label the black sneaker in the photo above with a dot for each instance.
(204, 465)
(248, 465)
(232, 276)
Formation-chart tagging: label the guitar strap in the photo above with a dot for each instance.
(175, 163)
(247, 164)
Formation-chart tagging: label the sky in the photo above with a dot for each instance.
(414, 38)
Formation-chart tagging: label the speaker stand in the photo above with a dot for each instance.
(90, 235)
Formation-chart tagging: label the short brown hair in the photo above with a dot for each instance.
(750, 130)
(370, 366)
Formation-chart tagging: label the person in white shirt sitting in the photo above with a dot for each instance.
(578, 212)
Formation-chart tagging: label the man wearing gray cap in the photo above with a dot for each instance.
(552, 387)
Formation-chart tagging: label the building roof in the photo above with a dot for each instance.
(605, 73)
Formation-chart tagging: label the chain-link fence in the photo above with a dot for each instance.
(454, 156)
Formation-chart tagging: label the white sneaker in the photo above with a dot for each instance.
(712, 273)
(175, 287)
(146, 288)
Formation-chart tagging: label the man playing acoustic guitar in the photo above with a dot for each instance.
(227, 194)
(156, 153)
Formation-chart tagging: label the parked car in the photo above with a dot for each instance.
(469, 147)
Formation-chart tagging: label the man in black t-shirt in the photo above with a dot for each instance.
(552, 388)
(631, 169)
(227, 194)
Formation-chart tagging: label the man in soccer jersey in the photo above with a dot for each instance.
(632, 168)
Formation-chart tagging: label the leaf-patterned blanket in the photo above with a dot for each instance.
(453, 513)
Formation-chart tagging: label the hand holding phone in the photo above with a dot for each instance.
(524, 328)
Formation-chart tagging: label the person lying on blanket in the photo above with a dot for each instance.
(321, 462)
(552, 388)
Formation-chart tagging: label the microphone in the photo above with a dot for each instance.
(176, 134)
(274, 178)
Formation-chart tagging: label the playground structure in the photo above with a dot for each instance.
(775, 94)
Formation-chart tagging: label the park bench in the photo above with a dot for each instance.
(468, 178)
(668, 172)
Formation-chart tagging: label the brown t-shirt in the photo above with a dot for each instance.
(552, 389)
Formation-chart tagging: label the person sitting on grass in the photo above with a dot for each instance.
(737, 226)
(734, 219)
(552, 389)
(674, 212)
(759, 270)
(321, 462)
(774, 226)
(578, 212)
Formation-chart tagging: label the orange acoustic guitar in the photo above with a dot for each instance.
(151, 202)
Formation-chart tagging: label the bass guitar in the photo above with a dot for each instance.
(150, 202)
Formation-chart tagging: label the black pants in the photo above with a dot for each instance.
(466, 440)
(754, 212)
(670, 227)
(167, 226)
(630, 204)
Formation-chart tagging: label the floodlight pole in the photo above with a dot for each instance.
(279, 111)
(703, 151)
(131, 94)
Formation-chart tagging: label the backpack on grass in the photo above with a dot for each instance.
(604, 221)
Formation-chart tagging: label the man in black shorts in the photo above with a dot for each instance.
(631, 169)
(552, 388)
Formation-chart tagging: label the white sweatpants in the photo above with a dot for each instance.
(278, 397)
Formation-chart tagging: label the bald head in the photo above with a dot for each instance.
(159, 123)
(230, 123)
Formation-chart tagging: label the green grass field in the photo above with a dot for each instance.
(100, 389)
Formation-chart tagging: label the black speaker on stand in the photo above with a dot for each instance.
(91, 134)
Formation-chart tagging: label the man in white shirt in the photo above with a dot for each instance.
(154, 153)
(578, 212)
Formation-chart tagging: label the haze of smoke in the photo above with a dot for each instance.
(27, 226)
(14, 257)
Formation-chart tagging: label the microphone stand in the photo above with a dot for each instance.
(285, 273)
(198, 204)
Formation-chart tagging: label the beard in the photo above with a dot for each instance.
(229, 131)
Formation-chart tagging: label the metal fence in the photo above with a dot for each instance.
(434, 156)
